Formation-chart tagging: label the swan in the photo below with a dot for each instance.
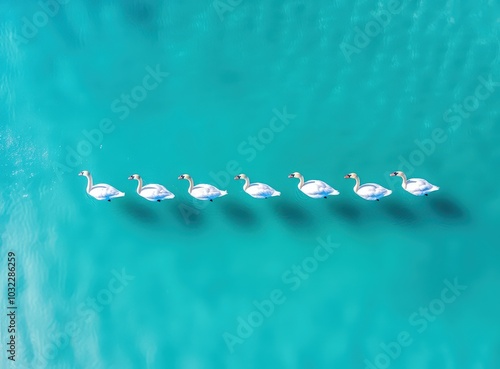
(202, 191)
(257, 190)
(415, 186)
(101, 191)
(151, 192)
(314, 188)
(368, 191)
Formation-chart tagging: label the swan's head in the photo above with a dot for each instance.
(294, 175)
(397, 174)
(241, 176)
(84, 173)
(135, 176)
(351, 175)
(184, 176)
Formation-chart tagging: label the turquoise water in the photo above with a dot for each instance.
(264, 88)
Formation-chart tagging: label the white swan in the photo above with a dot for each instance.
(368, 191)
(202, 191)
(257, 190)
(314, 188)
(151, 192)
(415, 186)
(101, 191)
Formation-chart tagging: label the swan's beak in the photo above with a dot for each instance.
(347, 176)
(291, 176)
(180, 177)
(393, 174)
(80, 174)
(236, 177)
(131, 177)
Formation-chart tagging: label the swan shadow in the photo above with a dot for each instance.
(139, 12)
(345, 210)
(448, 208)
(293, 215)
(402, 214)
(140, 212)
(186, 214)
(240, 214)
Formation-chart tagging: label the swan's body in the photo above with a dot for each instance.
(314, 188)
(257, 190)
(415, 186)
(368, 191)
(101, 191)
(152, 192)
(202, 191)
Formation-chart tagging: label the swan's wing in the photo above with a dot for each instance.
(105, 191)
(206, 188)
(206, 191)
(260, 189)
(420, 185)
(156, 191)
(373, 190)
(316, 187)
(155, 186)
(314, 182)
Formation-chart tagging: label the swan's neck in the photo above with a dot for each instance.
(139, 185)
(356, 186)
(89, 183)
(301, 181)
(247, 183)
(405, 181)
(191, 185)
